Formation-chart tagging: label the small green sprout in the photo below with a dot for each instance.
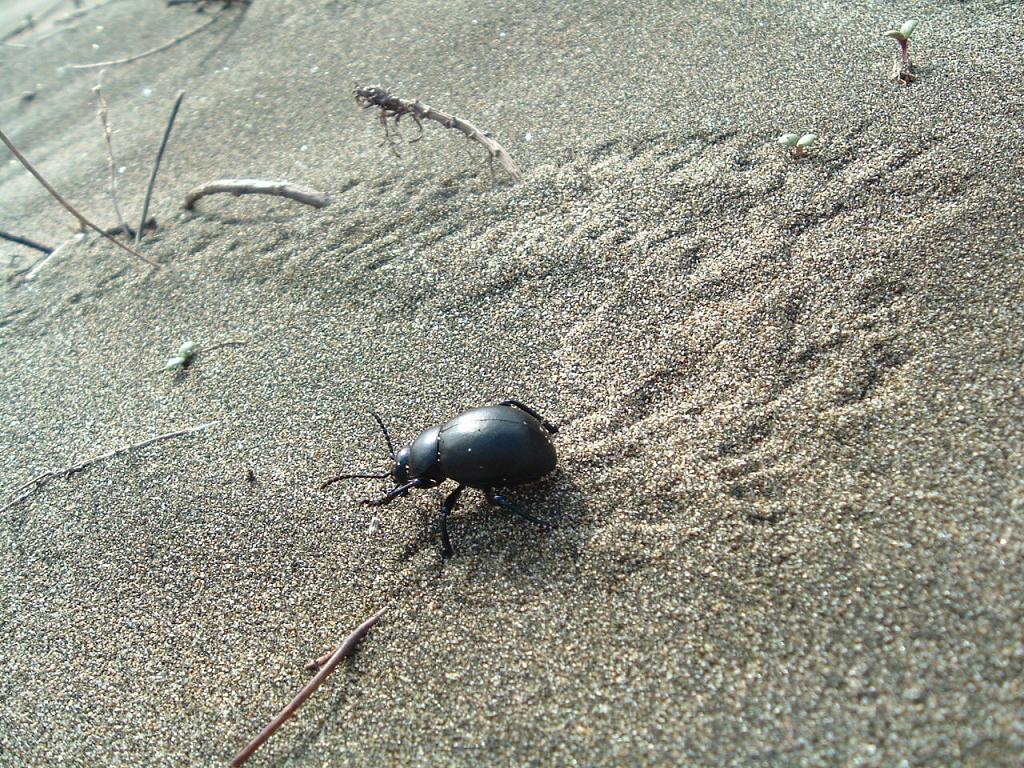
(903, 71)
(183, 357)
(800, 144)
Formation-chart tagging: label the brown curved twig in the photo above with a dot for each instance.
(345, 649)
(257, 187)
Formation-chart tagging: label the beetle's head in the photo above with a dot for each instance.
(400, 469)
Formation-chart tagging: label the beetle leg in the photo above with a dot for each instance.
(394, 493)
(501, 501)
(552, 428)
(449, 505)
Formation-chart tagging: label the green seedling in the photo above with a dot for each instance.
(903, 71)
(183, 357)
(799, 144)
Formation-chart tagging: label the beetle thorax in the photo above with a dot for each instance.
(422, 459)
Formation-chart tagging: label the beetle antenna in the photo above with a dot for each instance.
(387, 435)
(333, 480)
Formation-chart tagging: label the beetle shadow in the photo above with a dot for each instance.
(485, 532)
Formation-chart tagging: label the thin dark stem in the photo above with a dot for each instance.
(344, 650)
(25, 241)
(31, 21)
(156, 166)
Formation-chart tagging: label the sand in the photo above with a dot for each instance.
(790, 484)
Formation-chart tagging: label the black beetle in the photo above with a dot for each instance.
(494, 446)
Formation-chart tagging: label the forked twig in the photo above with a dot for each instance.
(344, 650)
(393, 107)
(24, 490)
(81, 219)
(156, 166)
(151, 51)
(316, 664)
(101, 112)
(257, 187)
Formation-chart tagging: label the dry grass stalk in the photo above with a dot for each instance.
(156, 166)
(343, 650)
(101, 113)
(81, 219)
(24, 490)
(169, 44)
(26, 242)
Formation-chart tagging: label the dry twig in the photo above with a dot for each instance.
(31, 21)
(81, 219)
(393, 107)
(201, 4)
(344, 650)
(26, 242)
(221, 345)
(156, 166)
(151, 51)
(101, 113)
(24, 490)
(187, 358)
(257, 187)
(67, 18)
(32, 269)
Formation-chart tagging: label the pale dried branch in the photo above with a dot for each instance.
(67, 18)
(26, 489)
(81, 219)
(156, 166)
(345, 649)
(257, 187)
(170, 43)
(393, 107)
(101, 113)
